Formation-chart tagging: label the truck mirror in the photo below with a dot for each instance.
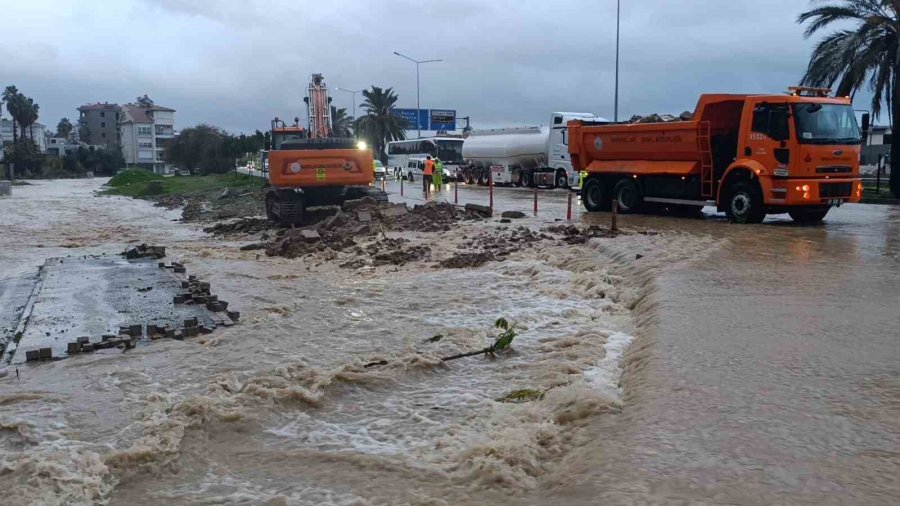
(865, 126)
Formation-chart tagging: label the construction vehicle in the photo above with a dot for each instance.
(309, 166)
(748, 155)
(525, 156)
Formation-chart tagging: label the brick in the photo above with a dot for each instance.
(234, 315)
(46, 353)
(191, 322)
(31, 355)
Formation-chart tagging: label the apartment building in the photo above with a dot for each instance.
(145, 130)
(98, 124)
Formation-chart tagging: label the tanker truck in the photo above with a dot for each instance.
(747, 155)
(526, 156)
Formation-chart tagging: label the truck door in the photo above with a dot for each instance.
(558, 149)
(766, 140)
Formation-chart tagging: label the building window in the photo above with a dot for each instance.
(103, 134)
(145, 130)
(102, 124)
(102, 114)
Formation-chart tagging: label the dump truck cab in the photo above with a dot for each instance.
(749, 155)
(802, 151)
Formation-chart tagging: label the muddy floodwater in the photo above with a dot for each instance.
(687, 360)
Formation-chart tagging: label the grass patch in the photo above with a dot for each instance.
(884, 196)
(134, 183)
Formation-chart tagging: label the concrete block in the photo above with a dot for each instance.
(200, 299)
(84, 339)
(215, 306)
(31, 355)
(46, 353)
(204, 329)
(185, 284)
(309, 235)
(191, 277)
(178, 335)
(212, 298)
(180, 270)
(191, 331)
(129, 343)
(179, 299)
(161, 265)
(170, 333)
(364, 216)
(107, 337)
(73, 347)
(191, 322)
(234, 315)
(87, 347)
(136, 330)
(151, 329)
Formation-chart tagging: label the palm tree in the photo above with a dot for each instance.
(341, 123)
(12, 96)
(380, 125)
(864, 54)
(64, 128)
(29, 117)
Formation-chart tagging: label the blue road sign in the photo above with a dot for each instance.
(428, 119)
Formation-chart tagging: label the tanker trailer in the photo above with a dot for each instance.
(525, 156)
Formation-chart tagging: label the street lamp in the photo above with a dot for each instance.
(418, 106)
(616, 106)
(354, 99)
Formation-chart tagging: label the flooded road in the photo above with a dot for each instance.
(760, 366)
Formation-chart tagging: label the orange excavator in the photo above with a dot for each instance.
(310, 167)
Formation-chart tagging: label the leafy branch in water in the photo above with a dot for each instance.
(504, 341)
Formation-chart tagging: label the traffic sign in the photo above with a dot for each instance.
(427, 119)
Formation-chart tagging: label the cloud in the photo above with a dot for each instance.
(237, 63)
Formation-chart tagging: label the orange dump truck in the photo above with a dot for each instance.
(748, 155)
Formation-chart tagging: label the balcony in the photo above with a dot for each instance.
(164, 131)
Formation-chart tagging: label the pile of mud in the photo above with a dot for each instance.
(363, 220)
(240, 226)
(206, 207)
(495, 245)
(575, 235)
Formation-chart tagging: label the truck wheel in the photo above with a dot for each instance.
(521, 181)
(745, 203)
(593, 195)
(409, 177)
(562, 180)
(482, 178)
(628, 196)
(809, 214)
(527, 180)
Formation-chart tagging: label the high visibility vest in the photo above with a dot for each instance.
(429, 167)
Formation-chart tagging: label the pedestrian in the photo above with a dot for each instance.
(427, 172)
(438, 173)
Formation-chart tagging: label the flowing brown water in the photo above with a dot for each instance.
(763, 369)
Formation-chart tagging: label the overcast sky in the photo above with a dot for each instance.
(238, 63)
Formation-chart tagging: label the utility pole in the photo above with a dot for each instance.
(616, 106)
(418, 105)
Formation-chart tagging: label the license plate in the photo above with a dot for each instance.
(834, 202)
(320, 174)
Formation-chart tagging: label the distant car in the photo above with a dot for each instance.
(380, 170)
(416, 169)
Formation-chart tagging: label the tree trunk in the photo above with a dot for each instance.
(895, 123)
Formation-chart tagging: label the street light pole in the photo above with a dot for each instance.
(352, 92)
(616, 106)
(418, 104)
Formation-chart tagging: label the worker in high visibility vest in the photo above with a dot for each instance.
(428, 170)
(438, 173)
